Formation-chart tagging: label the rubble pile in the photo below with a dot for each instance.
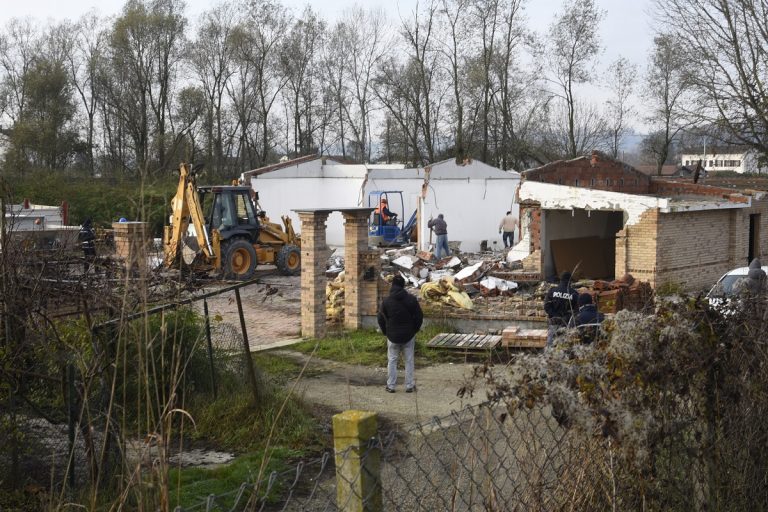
(613, 296)
(334, 299)
(452, 280)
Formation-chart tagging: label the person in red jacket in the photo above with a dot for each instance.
(400, 318)
(384, 211)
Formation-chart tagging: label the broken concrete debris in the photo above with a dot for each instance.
(452, 280)
(445, 290)
(334, 299)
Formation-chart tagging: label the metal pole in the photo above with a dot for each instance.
(210, 347)
(247, 349)
(71, 420)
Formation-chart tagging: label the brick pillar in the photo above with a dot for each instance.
(314, 254)
(132, 242)
(620, 265)
(357, 271)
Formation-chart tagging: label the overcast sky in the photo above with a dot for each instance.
(626, 29)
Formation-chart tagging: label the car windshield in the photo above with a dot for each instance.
(724, 287)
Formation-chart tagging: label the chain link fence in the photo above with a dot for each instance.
(494, 457)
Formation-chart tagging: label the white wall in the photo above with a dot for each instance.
(282, 191)
(473, 198)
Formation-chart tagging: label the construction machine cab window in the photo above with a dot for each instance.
(232, 210)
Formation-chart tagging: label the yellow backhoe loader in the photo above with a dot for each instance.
(222, 228)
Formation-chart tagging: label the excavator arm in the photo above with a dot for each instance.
(185, 205)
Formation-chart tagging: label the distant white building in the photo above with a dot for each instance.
(472, 196)
(743, 162)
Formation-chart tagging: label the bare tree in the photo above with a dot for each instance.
(369, 41)
(621, 77)
(210, 58)
(666, 85)
(336, 93)
(413, 92)
(588, 131)
(266, 26)
(298, 59)
(86, 58)
(725, 43)
(455, 46)
(19, 44)
(574, 43)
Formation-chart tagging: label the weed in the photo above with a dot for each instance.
(369, 347)
(190, 486)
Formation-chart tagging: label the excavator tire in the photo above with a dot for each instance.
(239, 260)
(289, 260)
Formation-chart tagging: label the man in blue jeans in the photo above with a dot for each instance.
(440, 227)
(400, 318)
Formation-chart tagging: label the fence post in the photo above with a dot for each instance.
(256, 380)
(210, 347)
(358, 467)
(71, 420)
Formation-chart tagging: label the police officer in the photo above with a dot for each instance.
(560, 304)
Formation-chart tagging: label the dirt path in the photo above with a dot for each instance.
(339, 387)
(272, 308)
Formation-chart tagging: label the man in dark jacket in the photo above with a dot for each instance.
(588, 319)
(400, 318)
(440, 227)
(560, 304)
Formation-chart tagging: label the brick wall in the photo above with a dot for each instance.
(695, 247)
(666, 188)
(599, 172)
(530, 219)
(637, 248)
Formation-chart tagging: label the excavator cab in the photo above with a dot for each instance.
(231, 212)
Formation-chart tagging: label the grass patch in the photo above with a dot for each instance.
(233, 423)
(368, 347)
(191, 486)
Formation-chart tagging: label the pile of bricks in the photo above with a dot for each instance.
(523, 338)
(625, 293)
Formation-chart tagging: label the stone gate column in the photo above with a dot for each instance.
(357, 267)
(314, 254)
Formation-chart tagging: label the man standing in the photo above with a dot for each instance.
(400, 318)
(507, 227)
(560, 304)
(440, 227)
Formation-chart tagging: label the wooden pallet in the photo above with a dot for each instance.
(465, 341)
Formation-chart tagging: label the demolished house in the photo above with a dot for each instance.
(604, 219)
(472, 195)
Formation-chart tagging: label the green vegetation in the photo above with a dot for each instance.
(670, 288)
(192, 485)
(232, 422)
(103, 200)
(369, 347)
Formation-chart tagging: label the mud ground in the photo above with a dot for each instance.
(271, 308)
(272, 311)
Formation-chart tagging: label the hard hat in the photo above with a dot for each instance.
(123, 219)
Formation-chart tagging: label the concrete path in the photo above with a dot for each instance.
(339, 387)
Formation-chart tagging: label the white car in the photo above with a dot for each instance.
(723, 289)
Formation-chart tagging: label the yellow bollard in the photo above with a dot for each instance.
(358, 467)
